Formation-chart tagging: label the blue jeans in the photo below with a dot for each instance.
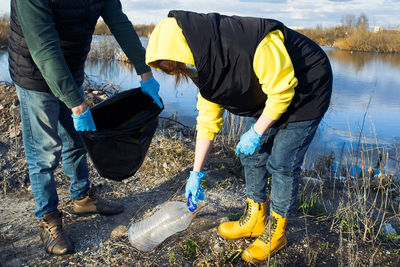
(48, 133)
(280, 155)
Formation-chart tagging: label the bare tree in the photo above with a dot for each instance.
(362, 21)
(349, 20)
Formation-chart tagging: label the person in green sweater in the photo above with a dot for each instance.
(48, 45)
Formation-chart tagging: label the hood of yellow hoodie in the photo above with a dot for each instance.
(167, 42)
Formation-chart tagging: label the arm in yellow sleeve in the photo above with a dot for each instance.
(209, 120)
(274, 69)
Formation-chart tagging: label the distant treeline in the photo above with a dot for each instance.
(356, 39)
(141, 29)
(4, 29)
(352, 35)
(101, 29)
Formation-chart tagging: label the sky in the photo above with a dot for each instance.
(294, 13)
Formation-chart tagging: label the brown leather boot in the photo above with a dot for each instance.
(90, 204)
(52, 235)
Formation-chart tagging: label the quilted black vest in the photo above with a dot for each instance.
(75, 21)
(223, 48)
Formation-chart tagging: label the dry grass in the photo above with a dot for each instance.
(340, 37)
(4, 30)
(355, 39)
(101, 29)
(108, 49)
(339, 220)
(141, 29)
(325, 37)
(361, 40)
(169, 154)
(358, 204)
(144, 29)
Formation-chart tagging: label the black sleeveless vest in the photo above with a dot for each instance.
(75, 21)
(223, 48)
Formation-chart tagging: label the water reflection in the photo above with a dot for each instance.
(4, 74)
(359, 59)
(179, 100)
(365, 95)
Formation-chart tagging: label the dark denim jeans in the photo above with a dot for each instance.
(280, 155)
(48, 133)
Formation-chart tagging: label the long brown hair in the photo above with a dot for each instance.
(178, 69)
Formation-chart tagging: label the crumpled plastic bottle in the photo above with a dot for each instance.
(172, 217)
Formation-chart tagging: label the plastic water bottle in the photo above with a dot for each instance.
(173, 217)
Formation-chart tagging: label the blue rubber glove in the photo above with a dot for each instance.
(249, 141)
(84, 122)
(151, 88)
(193, 190)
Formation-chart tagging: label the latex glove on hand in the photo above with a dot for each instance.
(249, 141)
(193, 192)
(84, 121)
(151, 88)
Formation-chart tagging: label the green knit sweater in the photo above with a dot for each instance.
(41, 36)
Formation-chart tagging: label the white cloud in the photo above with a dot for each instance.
(308, 13)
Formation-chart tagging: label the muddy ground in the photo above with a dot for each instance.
(102, 241)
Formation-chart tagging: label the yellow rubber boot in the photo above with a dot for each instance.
(271, 241)
(251, 224)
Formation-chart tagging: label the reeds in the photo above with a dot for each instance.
(143, 30)
(355, 39)
(107, 48)
(101, 29)
(4, 30)
(233, 128)
(325, 37)
(357, 194)
(365, 41)
(104, 48)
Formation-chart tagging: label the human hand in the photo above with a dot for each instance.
(249, 141)
(83, 120)
(193, 192)
(151, 87)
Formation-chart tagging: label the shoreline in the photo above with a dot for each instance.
(328, 226)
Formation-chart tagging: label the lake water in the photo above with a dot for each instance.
(365, 101)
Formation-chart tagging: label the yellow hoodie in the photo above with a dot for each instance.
(271, 64)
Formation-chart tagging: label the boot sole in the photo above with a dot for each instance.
(95, 212)
(68, 252)
(239, 236)
(272, 253)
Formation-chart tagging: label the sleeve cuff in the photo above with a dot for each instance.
(141, 68)
(201, 134)
(271, 114)
(74, 101)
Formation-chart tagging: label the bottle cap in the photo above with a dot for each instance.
(191, 206)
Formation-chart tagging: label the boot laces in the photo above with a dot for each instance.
(54, 229)
(246, 215)
(270, 230)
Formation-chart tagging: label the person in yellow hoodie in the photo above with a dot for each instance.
(260, 69)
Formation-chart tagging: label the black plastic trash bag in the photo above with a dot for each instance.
(125, 124)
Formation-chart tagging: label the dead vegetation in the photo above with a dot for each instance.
(355, 39)
(141, 29)
(342, 218)
(364, 41)
(4, 30)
